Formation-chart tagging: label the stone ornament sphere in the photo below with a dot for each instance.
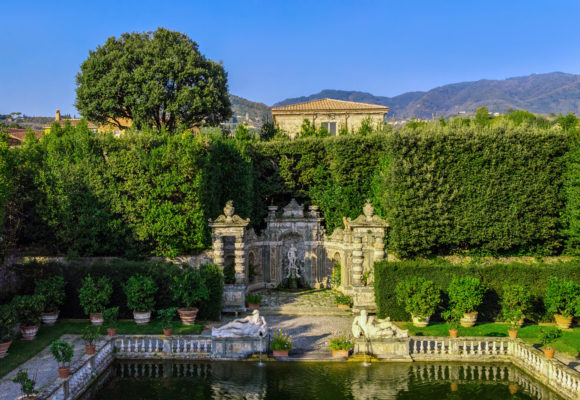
(29, 332)
(50, 318)
(339, 353)
(563, 322)
(187, 315)
(469, 320)
(63, 373)
(4, 348)
(421, 322)
(96, 318)
(142, 318)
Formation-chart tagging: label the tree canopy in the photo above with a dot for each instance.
(156, 79)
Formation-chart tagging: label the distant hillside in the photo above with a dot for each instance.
(256, 113)
(539, 93)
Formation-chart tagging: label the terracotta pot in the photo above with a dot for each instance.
(563, 322)
(343, 306)
(453, 333)
(187, 315)
(96, 318)
(340, 353)
(142, 317)
(454, 387)
(421, 322)
(111, 332)
(90, 349)
(513, 388)
(63, 373)
(4, 348)
(253, 306)
(513, 333)
(469, 319)
(167, 331)
(280, 353)
(29, 332)
(549, 352)
(50, 318)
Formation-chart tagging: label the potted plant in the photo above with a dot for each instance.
(52, 289)
(90, 336)
(94, 297)
(140, 291)
(254, 301)
(365, 277)
(561, 299)
(63, 353)
(189, 289)
(7, 324)
(281, 344)
(465, 296)
(548, 337)
(29, 312)
(167, 315)
(340, 345)
(343, 301)
(453, 319)
(516, 300)
(110, 316)
(27, 385)
(420, 298)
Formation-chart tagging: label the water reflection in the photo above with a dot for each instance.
(245, 380)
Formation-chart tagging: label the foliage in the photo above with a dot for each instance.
(466, 294)
(27, 385)
(94, 296)
(419, 296)
(340, 341)
(229, 274)
(140, 291)
(335, 278)
(343, 299)
(7, 323)
(211, 308)
(91, 334)
(110, 317)
(562, 297)
(550, 335)
(571, 191)
(515, 302)
(167, 315)
(189, 287)
(452, 317)
(163, 78)
(52, 290)
(62, 352)
(28, 309)
(252, 298)
(281, 341)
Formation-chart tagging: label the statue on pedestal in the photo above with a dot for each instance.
(373, 328)
(251, 326)
(293, 270)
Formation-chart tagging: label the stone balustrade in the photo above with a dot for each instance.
(152, 346)
(425, 347)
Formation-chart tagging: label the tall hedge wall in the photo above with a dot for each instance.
(494, 277)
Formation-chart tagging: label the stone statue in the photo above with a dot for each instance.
(250, 326)
(292, 263)
(373, 328)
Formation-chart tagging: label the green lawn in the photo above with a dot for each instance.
(21, 350)
(568, 343)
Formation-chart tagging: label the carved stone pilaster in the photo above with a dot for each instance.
(239, 254)
(357, 261)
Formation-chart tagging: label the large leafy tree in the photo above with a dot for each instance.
(157, 79)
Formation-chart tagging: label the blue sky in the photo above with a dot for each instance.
(278, 49)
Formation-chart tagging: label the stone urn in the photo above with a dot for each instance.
(50, 318)
(187, 315)
(280, 353)
(111, 332)
(63, 373)
(339, 353)
(513, 333)
(421, 322)
(97, 318)
(142, 317)
(29, 332)
(549, 352)
(4, 348)
(563, 322)
(469, 319)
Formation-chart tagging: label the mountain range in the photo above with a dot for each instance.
(554, 92)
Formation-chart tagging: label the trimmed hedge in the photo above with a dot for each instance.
(119, 272)
(494, 277)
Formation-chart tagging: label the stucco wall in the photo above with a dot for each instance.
(291, 123)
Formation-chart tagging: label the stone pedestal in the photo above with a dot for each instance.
(234, 298)
(364, 298)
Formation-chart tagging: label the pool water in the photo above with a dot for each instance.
(315, 380)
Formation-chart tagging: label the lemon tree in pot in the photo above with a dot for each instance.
(420, 297)
(140, 291)
(189, 288)
(7, 324)
(27, 384)
(52, 289)
(94, 296)
(465, 296)
(167, 315)
(254, 301)
(281, 344)
(453, 319)
(561, 299)
(29, 312)
(548, 337)
(110, 318)
(90, 336)
(515, 302)
(63, 353)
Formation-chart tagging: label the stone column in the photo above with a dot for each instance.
(357, 261)
(379, 249)
(239, 261)
(218, 251)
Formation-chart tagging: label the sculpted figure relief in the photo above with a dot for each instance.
(293, 271)
(251, 326)
(371, 327)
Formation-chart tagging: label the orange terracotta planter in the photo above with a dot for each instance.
(111, 332)
(513, 333)
(63, 373)
(549, 352)
(340, 353)
(90, 350)
(280, 353)
(453, 333)
(167, 331)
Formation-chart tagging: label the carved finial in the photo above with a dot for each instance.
(368, 210)
(229, 210)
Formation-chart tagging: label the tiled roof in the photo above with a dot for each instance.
(72, 121)
(331, 105)
(18, 135)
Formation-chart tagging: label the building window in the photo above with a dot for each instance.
(330, 127)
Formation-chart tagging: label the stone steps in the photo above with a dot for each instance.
(305, 310)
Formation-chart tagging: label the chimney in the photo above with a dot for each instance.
(57, 116)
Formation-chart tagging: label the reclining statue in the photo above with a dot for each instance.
(250, 326)
(373, 328)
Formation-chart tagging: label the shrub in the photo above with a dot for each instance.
(253, 298)
(7, 323)
(281, 341)
(27, 385)
(466, 294)
(340, 342)
(28, 309)
(110, 317)
(95, 296)
(516, 301)
(52, 289)
(549, 336)
(335, 278)
(140, 291)
(91, 334)
(189, 287)
(167, 315)
(343, 299)
(62, 352)
(452, 317)
(420, 296)
(562, 297)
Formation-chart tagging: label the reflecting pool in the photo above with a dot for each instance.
(127, 380)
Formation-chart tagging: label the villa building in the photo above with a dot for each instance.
(334, 115)
(92, 126)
